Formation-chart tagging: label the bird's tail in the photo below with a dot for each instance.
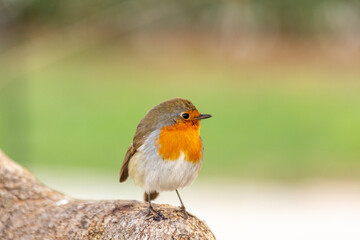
(153, 195)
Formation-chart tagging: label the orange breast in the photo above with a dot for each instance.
(181, 137)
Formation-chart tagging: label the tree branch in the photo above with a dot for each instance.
(30, 210)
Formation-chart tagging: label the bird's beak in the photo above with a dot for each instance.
(203, 116)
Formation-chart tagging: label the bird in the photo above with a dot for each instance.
(166, 153)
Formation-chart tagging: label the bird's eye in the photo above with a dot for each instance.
(185, 115)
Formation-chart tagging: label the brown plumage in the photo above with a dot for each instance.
(159, 115)
(153, 195)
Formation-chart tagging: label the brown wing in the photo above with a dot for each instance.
(142, 131)
(124, 173)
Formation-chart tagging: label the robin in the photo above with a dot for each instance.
(166, 152)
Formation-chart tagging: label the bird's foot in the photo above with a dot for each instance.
(186, 214)
(157, 216)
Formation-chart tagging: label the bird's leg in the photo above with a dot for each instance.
(151, 211)
(182, 208)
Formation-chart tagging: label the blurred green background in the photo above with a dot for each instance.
(281, 78)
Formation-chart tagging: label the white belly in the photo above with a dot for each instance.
(153, 173)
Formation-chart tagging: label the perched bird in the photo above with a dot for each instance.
(166, 152)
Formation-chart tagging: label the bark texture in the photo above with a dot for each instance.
(30, 210)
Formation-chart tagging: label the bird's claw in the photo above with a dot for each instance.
(186, 214)
(156, 216)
